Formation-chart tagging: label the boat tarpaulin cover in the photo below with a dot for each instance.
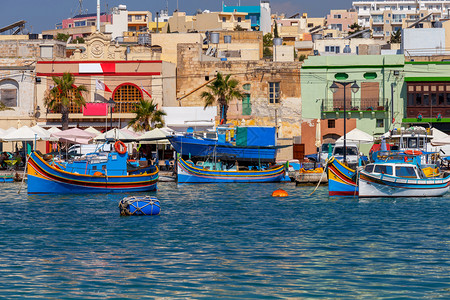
(255, 136)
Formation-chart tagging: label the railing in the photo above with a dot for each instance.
(356, 104)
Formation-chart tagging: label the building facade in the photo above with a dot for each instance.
(130, 75)
(374, 108)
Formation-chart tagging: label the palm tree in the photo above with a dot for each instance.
(63, 95)
(222, 90)
(147, 116)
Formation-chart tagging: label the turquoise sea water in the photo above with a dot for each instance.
(229, 241)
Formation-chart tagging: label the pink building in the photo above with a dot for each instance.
(81, 25)
(341, 19)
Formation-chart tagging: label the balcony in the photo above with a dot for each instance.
(356, 104)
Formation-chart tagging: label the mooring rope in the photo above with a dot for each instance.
(320, 180)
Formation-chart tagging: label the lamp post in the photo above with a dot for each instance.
(111, 104)
(334, 88)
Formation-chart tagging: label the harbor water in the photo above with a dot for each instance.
(231, 241)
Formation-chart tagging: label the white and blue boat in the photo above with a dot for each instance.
(399, 175)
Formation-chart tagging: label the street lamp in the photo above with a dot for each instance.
(334, 88)
(111, 104)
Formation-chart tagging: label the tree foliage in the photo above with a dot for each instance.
(62, 37)
(147, 116)
(396, 37)
(355, 27)
(267, 40)
(63, 95)
(275, 30)
(222, 91)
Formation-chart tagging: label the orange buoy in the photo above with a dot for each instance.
(280, 193)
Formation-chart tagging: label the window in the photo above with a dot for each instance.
(380, 123)
(337, 16)
(80, 23)
(406, 172)
(274, 92)
(331, 48)
(246, 105)
(130, 19)
(8, 93)
(338, 49)
(433, 99)
(239, 19)
(441, 99)
(310, 25)
(331, 123)
(138, 17)
(224, 19)
(327, 48)
(126, 96)
(383, 169)
(247, 86)
(369, 168)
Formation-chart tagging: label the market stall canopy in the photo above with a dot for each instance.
(53, 129)
(115, 134)
(11, 129)
(356, 136)
(128, 131)
(155, 136)
(74, 135)
(92, 130)
(438, 137)
(25, 134)
(44, 133)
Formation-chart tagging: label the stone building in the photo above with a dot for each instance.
(272, 90)
(131, 73)
(18, 56)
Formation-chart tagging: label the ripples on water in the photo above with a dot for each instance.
(224, 241)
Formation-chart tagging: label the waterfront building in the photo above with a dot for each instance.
(18, 55)
(378, 103)
(271, 88)
(129, 72)
(428, 92)
(387, 16)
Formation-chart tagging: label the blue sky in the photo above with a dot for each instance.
(44, 14)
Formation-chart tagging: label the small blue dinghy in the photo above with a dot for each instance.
(139, 206)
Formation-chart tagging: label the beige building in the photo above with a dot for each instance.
(131, 74)
(271, 89)
(208, 21)
(18, 55)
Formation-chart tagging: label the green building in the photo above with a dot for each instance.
(377, 103)
(427, 85)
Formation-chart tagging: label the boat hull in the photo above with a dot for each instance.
(379, 185)
(341, 179)
(45, 179)
(190, 174)
(190, 146)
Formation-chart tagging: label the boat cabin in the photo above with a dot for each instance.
(403, 170)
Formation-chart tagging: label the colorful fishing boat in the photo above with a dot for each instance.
(248, 144)
(187, 172)
(342, 180)
(400, 175)
(103, 172)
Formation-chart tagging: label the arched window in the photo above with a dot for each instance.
(9, 92)
(125, 96)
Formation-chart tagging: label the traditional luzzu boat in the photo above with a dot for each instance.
(400, 176)
(103, 172)
(187, 172)
(342, 180)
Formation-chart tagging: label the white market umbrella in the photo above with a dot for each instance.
(53, 129)
(74, 135)
(155, 136)
(11, 129)
(318, 134)
(92, 130)
(115, 134)
(43, 133)
(24, 134)
(356, 136)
